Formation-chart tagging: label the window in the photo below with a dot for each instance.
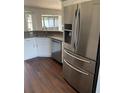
(28, 21)
(51, 22)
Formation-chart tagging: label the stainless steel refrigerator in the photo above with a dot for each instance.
(81, 40)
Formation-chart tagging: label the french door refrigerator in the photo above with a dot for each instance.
(81, 40)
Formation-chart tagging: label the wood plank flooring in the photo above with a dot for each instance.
(44, 75)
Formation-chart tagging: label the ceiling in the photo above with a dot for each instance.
(52, 4)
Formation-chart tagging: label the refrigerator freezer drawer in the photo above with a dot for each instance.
(82, 81)
(80, 62)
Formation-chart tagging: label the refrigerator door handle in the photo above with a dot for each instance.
(77, 29)
(73, 29)
(75, 37)
(82, 72)
(76, 57)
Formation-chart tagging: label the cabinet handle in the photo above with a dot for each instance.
(75, 68)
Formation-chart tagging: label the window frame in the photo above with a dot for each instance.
(27, 23)
(55, 27)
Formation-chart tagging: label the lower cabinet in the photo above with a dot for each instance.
(37, 47)
(30, 50)
(43, 47)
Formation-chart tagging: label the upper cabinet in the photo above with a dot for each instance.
(41, 19)
(69, 14)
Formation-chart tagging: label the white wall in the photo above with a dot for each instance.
(36, 15)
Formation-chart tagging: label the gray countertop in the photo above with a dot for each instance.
(53, 35)
(57, 38)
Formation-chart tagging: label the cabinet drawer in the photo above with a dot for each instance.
(82, 81)
(79, 62)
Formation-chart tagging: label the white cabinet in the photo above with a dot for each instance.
(29, 48)
(43, 47)
(37, 47)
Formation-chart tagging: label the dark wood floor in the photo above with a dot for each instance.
(44, 75)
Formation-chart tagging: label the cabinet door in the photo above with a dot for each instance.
(69, 12)
(29, 48)
(43, 47)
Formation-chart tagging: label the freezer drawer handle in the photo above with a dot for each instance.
(75, 68)
(77, 57)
